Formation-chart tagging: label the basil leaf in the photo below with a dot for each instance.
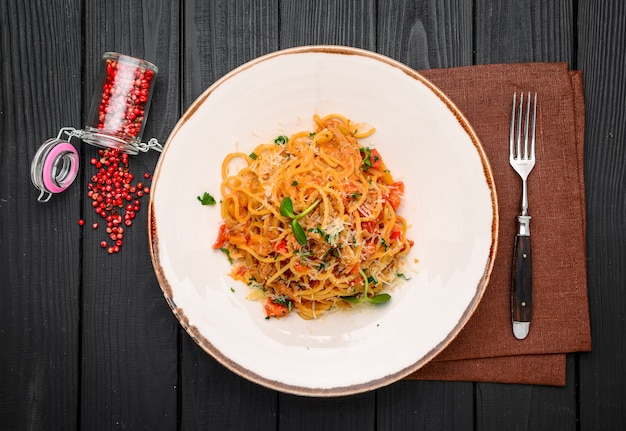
(286, 207)
(380, 298)
(352, 299)
(298, 232)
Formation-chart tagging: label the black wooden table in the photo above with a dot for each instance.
(87, 340)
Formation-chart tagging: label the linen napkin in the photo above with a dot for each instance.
(486, 350)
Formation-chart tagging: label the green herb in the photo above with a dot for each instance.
(232, 289)
(286, 209)
(295, 183)
(367, 158)
(298, 232)
(384, 243)
(403, 276)
(206, 199)
(227, 253)
(376, 299)
(281, 140)
(253, 156)
(380, 298)
(284, 301)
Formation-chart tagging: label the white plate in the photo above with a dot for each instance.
(449, 201)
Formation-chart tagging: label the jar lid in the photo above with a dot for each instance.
(54, 167)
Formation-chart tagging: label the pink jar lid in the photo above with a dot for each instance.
(54, 167)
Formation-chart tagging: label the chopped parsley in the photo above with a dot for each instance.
(206, 199)
(284, 301)
(367, 157)
(281, 140)
(253, 156)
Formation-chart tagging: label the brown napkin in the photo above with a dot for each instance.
(486, 349)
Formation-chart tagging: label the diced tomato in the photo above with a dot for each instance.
(355, 269)
(396, 233)
(281, 247)
(376, 160)
(275, 310)
(222, 237)
(369, 226)
(396, 190)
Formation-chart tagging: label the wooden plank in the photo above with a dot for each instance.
(507, 32)
(527, 407)
(409, 405)
(213, 397)
(220, 36)
(355, 412)
(328, 22)
(426, 35)
(39, 243)
(130, 337)
(601, 47)
(524, 31)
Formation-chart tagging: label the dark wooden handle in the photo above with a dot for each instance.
(522, 280)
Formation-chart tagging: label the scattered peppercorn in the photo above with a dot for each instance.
(113, 195)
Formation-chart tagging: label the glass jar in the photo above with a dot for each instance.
(120, 104)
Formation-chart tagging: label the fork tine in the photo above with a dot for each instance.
(512, 129)
(534, 123)
(526, 125)
(519, 126)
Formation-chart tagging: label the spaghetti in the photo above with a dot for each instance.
(310, 221)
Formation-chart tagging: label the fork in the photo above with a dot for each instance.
(522, 159)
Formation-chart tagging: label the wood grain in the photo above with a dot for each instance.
(409, 405)
(39, 243)
(602, 37)
(524, 31)
(426, 35)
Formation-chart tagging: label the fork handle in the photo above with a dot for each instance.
(522, 286)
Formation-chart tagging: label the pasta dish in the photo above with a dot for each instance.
(310, 222)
